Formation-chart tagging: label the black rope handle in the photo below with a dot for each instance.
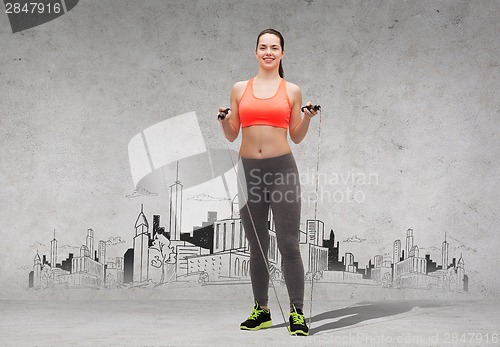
(222, 115)
(311, 107)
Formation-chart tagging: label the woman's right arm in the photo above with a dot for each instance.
(231, 124)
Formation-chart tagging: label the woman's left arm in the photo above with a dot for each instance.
(298, 126)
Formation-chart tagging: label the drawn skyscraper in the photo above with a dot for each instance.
(101, 252)
(460, 274)
(444, 253)
(37, 271)
(84, 251)
(349, 263)
(90, 242)
(235, 211)
(315, 232)
(141, 248)
(175, 208)
(396, 251)
(414, 251)
(409, 242)
(53, 251)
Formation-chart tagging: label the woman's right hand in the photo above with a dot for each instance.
(224, 111)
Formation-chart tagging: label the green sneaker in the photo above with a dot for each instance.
(259, 319)
(298, 323)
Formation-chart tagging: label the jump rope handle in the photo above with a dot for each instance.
(311, 107)
(222, 115)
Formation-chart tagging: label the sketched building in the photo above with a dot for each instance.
(53, 251)
(231, 256)
(396, 256)
(335, 270)
(382, 270)
(36, 276)
(451, 277)
(334, 264)
(141, 248)
(412, 271)
(314, 255)
(184, 251)
(115, 272)
(444, 253)
(461, 279)
(175, 204)
(84, 271)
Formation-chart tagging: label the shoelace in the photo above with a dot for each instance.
(255, 313)
(297, 318)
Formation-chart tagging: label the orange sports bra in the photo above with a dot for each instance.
(274, 111)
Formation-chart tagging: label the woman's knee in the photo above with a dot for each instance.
(289, 247)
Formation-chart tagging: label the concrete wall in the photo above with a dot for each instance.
(409, 91)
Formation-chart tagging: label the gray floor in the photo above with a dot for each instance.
(205, 321)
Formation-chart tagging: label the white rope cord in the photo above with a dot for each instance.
(315, 213)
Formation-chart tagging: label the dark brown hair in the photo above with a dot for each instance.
(282, 44)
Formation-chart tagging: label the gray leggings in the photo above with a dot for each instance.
(272, 182)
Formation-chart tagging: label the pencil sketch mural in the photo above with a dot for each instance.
(218, 251)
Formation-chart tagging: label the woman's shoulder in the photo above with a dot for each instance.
(291, 85)
(292, 88)
(240, 84)
(239, 87)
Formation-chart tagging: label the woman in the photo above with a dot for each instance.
(265, 107)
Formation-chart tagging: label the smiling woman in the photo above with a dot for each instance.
(267, 108)
(269, 49)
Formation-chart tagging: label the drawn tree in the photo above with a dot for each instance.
(386, 280)
(313, 276)
(110, 281)
(47, 277)
(449, 280)
(276, 273)
(165, 254)
(203, 278)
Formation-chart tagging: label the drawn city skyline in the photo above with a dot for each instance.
(217, 252)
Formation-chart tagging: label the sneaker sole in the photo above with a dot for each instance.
(263, 325)
(299, 333)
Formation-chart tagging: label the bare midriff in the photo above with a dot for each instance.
(263, 141)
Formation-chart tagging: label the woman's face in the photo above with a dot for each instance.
(269, 52)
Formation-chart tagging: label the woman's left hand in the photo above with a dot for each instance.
(309, 113)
